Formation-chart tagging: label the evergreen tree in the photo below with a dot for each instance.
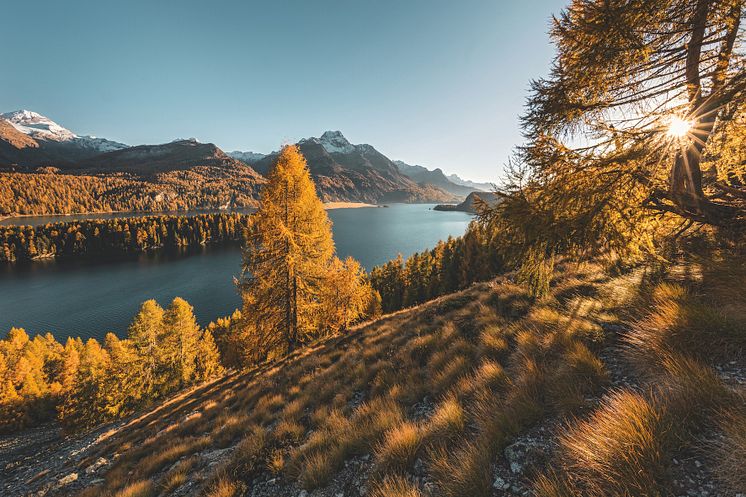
(288, 250)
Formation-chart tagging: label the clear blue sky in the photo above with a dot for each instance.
(432, 82)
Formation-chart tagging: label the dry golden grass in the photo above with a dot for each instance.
(142, 488)
(490, 367)
(691, 398)
(467, 470)
(399, 447)
(289, 430)
(223, 486)
(157, 461)
(395, 486)
(276, 462)
(447, 422)
(617, 451)
(228, 428)
(247, 453)
(177, 476)
(730, 450)
(680, 321)
(624, 447)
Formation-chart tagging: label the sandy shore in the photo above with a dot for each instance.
(347, 205)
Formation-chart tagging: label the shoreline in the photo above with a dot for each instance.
(347, 205)
(327, 205)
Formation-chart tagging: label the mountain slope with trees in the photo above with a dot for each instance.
(435, 177)
(183, 174)
(343, 172)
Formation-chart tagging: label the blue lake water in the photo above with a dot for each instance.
(89, 298)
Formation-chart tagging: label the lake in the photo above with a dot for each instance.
(89, 298)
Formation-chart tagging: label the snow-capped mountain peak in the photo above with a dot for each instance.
(333, 142)
(37, 126)
(40, 127)
(247, 157)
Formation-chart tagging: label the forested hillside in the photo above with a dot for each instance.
(57, 193)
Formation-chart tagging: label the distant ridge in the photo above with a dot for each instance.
(347, 172)
(470, 204)
(435, 177)
(342, 171)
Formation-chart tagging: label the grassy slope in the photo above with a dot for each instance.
(424, 401)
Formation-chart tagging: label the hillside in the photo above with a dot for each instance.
(435, 177)
(470, 203)
(57, 146)
(149, 160)
(357, 173)
(602, 388)
(343, 172)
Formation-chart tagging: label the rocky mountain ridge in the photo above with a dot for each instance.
(342, 171)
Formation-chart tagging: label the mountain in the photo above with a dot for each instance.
(485, 187)
(152, 159)
(357, 173)
(434, 177)
(57, 145)
(470, 204)
(342, 171)
(15, 146)
(249, 158)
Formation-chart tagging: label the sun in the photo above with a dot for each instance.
(678, 127)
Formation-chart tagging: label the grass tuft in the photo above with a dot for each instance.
(395, 486)
(399, 447)
(617, 451)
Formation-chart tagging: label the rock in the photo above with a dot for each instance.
(101, 461)
(66, 480)
(213, 455)
(500, 484)
(192, 415)
(524, 455)
(303, 493)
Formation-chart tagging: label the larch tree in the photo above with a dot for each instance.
(629, 136)
(287, 252)
(146, 334)
(181, 337)
(208, 358)
(346, 295)
(122, 387)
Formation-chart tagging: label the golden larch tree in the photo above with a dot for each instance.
(288, 250)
